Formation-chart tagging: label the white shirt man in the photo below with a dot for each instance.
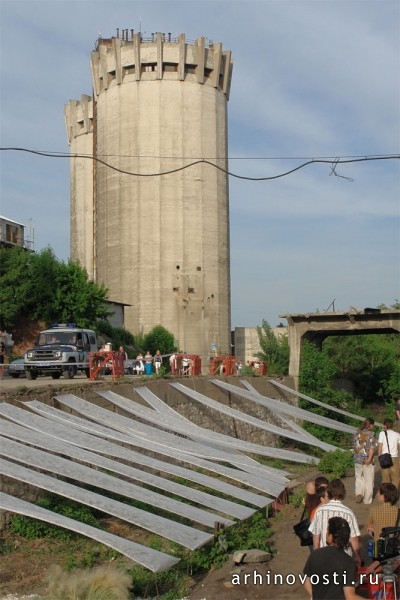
(335, 508)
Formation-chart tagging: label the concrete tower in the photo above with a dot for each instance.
(150, 227)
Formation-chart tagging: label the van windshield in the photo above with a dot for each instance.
(58, 337)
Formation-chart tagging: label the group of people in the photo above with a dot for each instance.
(335, 548)
(365, 446)
(181, 364)
(331, 568)
(144, 364)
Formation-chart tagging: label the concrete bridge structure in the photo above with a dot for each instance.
(316, 327)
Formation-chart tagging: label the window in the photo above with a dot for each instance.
(12, 234)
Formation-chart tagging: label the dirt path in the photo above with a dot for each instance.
(288, 561)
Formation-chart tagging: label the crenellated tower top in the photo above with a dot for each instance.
(79, 117)
(131, 57)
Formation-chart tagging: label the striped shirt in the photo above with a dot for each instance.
(333, 508)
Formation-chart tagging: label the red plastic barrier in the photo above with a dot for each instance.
(223, 365)
(101, 360)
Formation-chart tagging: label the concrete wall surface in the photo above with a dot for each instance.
(159, 242)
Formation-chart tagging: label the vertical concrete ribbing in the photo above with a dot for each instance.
(163, 242)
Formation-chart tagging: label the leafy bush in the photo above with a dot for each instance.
(161, 339)
(252, 533)
(32, 529)
(117, 336)
(274, 349)
(247, 371)
(296, 499)
(336, 463)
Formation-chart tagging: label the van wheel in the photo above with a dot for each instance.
(69, 372)
(31, 375)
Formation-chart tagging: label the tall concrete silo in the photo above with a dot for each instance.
(152, 228)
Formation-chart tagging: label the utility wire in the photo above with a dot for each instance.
(333, 162)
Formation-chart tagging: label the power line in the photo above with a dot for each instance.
(331, 161)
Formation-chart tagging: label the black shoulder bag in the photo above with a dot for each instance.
(385, 460)
(301, 530)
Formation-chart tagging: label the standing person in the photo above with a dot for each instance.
(2, 355)
(386, 513)
(239, 368)
(124, 354)
(139, 364)
(388, 441)
(364, 445)
(331, 572)
(172, 363)
(312, 499)
(148, 359)
(185, 365)
(321, 496)
(335, 508)
(157, 361)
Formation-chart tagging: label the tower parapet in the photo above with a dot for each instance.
(121, 59)
(79, 117)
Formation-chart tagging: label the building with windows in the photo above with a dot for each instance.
(150, 211)
(14, 234)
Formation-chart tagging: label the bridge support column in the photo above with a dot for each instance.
(294, 339)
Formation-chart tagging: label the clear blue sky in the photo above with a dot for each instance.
(312, 78)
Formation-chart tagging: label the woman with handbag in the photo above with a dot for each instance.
(301, 528)
(388, 443)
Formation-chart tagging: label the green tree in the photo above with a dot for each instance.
(118, 336)
(274, 350)
(317, 370)
(14, 285)
(370, 362)
(317, 376)
(39, 287)
(77, 298)
(159, 338)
